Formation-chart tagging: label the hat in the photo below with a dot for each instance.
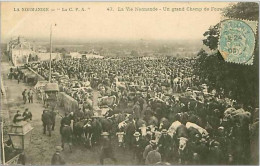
(105, 134)
(152, 142)
(215, 143)
(137, 134)
(164, 131)
(58, 148)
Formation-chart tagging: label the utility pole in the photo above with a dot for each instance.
(50, 52)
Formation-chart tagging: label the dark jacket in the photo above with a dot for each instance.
(46, 118)
(27, 115)
(107, 149)
(57, 159)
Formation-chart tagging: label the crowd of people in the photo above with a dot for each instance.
(162, 112)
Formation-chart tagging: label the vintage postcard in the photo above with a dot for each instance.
(129, 83)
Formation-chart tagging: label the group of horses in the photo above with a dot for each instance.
(182, 127)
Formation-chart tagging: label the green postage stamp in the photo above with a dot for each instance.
(237, 41)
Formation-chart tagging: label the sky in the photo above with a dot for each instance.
(97, 23)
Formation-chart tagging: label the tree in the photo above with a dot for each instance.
(240, 80)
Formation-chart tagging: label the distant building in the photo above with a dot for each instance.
(89, 56)
(42, 49)
(75, 55)
(46, 56)
(86, 56)
(19, 51)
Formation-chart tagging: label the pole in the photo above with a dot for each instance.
(50, 52)
(2, 141)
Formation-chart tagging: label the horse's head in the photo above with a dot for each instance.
(182, 143)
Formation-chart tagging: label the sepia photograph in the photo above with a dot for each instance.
(129, 83)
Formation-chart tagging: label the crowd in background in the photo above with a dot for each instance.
(160, 107)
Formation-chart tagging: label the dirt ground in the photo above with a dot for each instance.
(42, 146)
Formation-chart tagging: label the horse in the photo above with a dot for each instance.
(78, 130)
(92, 132)
(107, 125)
(164, 124)
(172, 129)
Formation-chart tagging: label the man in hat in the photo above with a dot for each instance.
(165, 145)
(66, 136)
(137, 110)
(149, 148)
(30, 96)
(107, 150)
(53, 114)
(138, 147)
(46, 121)
(17, 116)
(57, 159)
(65, 121)
(25, 95)
(130, 130)
(153, 156)
(27, 115)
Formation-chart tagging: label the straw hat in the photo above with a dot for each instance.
(152, 142)
(105, 134)
(58, 148)
(137, 134)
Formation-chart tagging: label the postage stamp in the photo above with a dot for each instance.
(237, 41)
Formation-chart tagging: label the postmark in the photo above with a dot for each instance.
(237, 41)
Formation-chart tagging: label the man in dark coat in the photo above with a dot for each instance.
(16, 117)
(137, 110)
(46, 120)
(57, 159)
(138, 147)
(148, 148)
(30, 96)
(53, 114)
(65, 121)
(66, 136)
(25, 95)
(130, 130)
(27, 115)
(165, 145)
(107, 150)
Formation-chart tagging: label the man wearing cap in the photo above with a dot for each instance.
(27, 115)
(57, 159)
(138, 147)
(165, 145)
(107, 150)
